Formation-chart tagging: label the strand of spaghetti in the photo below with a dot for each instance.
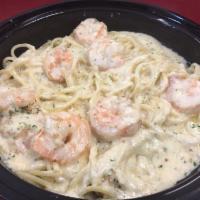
(69, 76)
(32, 77)
(57, 96)
(61, 107)
(96, 94)
(24, 45)
(108, 192)
(135, 62)
(56, 41)
(176, 117)
(70, 40)
(120, 89)
(8, 60)
(4, 75)
(129, 38)
(17, 77)
(160, 83)
(34, 179)
(71, 89)
(48, 173)
(78, 177)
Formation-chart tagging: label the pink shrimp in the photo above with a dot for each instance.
(56, 63)
(114, 117)
(64, 138)
(17, 97)
(89, 30)
(184, 94)
(106, 54)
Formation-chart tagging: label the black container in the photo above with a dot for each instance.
(38, 26)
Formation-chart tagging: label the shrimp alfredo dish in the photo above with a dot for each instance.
(100, 114)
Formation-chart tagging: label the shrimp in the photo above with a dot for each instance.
(113, 117)
(106, 54)
(184, 94)
(20, 128)
(64, 138)
(56, 63)
(17, 97)
(89, 30)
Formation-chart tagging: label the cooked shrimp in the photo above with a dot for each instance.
(113, 117)
(64, 138)
(89, 30)
(20, 128)
(17, 97)
(184, 94)
(56, 63)
(106, 54)
(23, 141)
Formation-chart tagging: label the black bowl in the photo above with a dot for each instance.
(38, 26)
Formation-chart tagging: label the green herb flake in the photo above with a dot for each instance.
(34, 126)
(164, 149)
(185, 174)
(194, 164)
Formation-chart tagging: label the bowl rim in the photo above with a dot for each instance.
(24, 18)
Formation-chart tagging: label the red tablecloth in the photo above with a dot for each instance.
(187, 8)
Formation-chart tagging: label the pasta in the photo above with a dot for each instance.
(153, 145)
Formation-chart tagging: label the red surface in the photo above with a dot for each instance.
(187, 8)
